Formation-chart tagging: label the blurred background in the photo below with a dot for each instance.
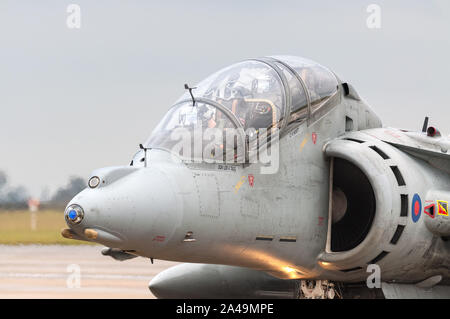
(27, 219)
(76, 99)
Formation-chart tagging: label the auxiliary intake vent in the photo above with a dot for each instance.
(379, 257)
(354, 140)
(404, 208)
(398, 176)
(380, 152)
(351, 269)
(397, 234)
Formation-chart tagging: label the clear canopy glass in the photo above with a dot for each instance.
(320, 82)
(250, 95)
(251, 90)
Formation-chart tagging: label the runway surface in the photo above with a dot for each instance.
(34, 271)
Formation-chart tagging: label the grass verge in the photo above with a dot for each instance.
(16, 228)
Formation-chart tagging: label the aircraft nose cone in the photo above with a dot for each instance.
(84, 221)
(127, 213)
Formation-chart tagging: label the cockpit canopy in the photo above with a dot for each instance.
(246, 88)
(267, 93)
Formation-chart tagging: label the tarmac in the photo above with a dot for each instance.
(73, 272)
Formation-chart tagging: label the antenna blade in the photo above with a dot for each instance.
(425, 124)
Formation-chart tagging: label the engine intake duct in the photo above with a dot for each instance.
(366, 201)
(353, 206)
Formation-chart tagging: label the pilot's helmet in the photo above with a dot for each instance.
(259, 116)
(229, 86)
(205, 114)
(240, 92)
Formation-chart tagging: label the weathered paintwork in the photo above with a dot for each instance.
(280, 223)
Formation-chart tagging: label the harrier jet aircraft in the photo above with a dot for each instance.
(272, 178)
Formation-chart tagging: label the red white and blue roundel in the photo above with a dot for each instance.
(416, 208)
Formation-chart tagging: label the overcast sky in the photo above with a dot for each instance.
(73, 100)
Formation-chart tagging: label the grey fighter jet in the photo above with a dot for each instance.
(272, 178)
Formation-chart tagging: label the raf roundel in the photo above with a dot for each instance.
(416, 208)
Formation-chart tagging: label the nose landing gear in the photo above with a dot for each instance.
(317, 289)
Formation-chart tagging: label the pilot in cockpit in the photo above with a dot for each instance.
(239, 106)
(207, 114)
(242, 98)
(259, 116)
(251, 112)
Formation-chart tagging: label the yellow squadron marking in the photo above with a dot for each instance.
(239, 184)
(305, 140)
